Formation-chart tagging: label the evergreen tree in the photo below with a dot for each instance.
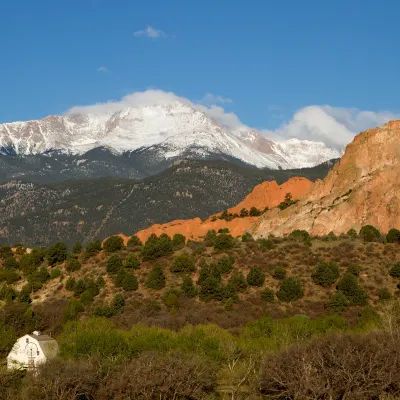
(326, 273)
(133, 242)
(131, 261)
(114, 264)
(77, 249)
(156, 278)
(183, 263)
(57, 253)
(256, 277)
(178, 241)
(113, 244)
(188, 288)
(393, 236)
(290, 289)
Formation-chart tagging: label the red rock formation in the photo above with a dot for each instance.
(363, 188)
(266, 194)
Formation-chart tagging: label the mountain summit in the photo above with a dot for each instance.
(166, 131)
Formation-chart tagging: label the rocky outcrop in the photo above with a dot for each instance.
(268, 194)
(363, 188)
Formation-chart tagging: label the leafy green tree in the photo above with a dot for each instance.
(133, 242)
(72, 264)
(156, 247)
(183, 263)
(300, 234)
(7, 293)
(369, 233)
(225, 264)
(266, 244)
(395, 270)
(92, 248)
(290, 289)
(254, 212)
(156, 278)
(238, 282)
(114, 264)
(113, 244)
(80, 287)
(131, 261)
(9, 276)
(57, 253)
(224, 241)
(188, 288)
(393, 236)
(337, 303)
(86, 297)
(178, 241)
(326, 273)
(77, 248)
(256, 277)
(279, 273)
(267, 295)
(352, 233)
(331, 236)
(287, 202)
(10, 263)
(348, 285)
(27, 264)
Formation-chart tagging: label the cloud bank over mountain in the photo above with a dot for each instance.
(335, 126)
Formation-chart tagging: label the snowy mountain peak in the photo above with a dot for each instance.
(175, 128)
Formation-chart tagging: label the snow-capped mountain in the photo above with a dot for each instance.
(169, 131)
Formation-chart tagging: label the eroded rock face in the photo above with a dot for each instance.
(363, 188)
(265, 194)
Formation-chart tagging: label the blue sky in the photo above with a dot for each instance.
(269, 57)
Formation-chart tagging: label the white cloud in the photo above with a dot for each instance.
(334, 126)
(150, 32)
(102, 69)
(212, 99)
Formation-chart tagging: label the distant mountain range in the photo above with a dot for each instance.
(136, 142)
(38, 214)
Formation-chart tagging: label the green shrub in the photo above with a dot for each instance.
(224, 241)
(395, 270)
(337, 303)
(238, 282)
(70, 284)
(225, 264)
(9, 276)
(384, 294)
(246, 237)
(86, 297)
(57, 253)
(183, 263)
(5, 252)
(92, 248)
(393, 236)
(256, 277)
(352, 233)
(72, 310)
(279, 273)
(27, 264)
(267, 295)
(290, 289)
(244, 213)
(156, 247)
(210, 289)
(10, 263)
(133, 242)
(299, 234)
(156, 278)
(209, 238)
(7, 293)
(114, 264)
(326, 274)
(131, 261)
(55, 273)
(196, 247)
(349, 287)
(188, 288)
(369, 233)
(80, 287)
(254, 212)
(77, 248)
(354, 269)
(129, 282)
(178, 241)
(113, 244)
(72, 264)
(331, 236)
(266, 244)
